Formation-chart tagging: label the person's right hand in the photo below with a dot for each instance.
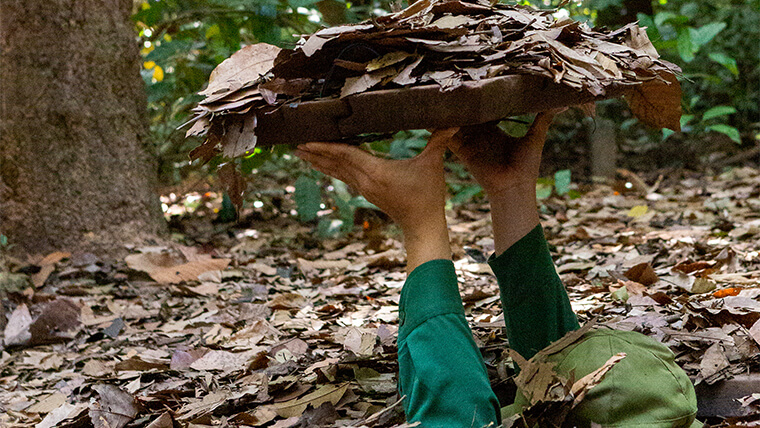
(507, 169)
(496, 160)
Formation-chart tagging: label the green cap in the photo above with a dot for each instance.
(645, 389)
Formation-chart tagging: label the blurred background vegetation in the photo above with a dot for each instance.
(717, 43)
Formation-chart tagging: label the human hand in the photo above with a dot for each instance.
(507, 169)
(411, 191)
(500, 162)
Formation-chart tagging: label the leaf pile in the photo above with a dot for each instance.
(432, 42)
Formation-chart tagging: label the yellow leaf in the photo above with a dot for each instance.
(158, 73)
(167, 37)
(638, 211)
(146, 51)
(145, 5)
(149, 64)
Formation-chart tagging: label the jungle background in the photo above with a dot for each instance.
(134, 294)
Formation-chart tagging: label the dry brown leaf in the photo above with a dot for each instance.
(163, 421)
(115, 408)
(643, 273)
(48, 403)
(713, 361)
(405, 76)
(327, 393)
(233, 183)
(58, 415)
(287, 301)
(359, 84)
(583, 385)
(244, 66)
(187, 271)
(754, 331)
(240, 138)
(656, 103)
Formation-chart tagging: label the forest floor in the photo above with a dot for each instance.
(264, 324)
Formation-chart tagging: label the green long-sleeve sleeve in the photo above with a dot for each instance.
(441, 371)
(536, 307)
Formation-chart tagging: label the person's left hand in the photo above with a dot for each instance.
(411, 191)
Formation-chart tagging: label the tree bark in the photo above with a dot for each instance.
(75, 173)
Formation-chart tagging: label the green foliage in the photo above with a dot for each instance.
(562, 181)
(407, 144)
(559, 184)
(715, 43)
(717, 47)
(183, 40)
(308, 197)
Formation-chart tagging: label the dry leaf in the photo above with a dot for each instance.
(48, 404)
(56, 416)
(244, 66)
(657, 103)
(643, 273)
(186, 271)
(583, 385)
(115, 408)
(713, 361)
(163, 421)
(327, 393)
(355, 85)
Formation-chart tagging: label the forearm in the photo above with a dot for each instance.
(427, 240)
(513, 213)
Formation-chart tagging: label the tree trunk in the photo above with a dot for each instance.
(74, 166)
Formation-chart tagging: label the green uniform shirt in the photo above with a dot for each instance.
(441, 370)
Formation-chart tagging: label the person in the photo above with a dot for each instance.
(441, 371)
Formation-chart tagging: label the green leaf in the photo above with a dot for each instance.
(621, 294)
(405, 148)
(543, 189)
(718, 111)
(255, 160)
(730, 131)
(685, 47)
(361, 202)
(3, 241)
(685, 119)
(725, 61)
(670, 18)
(329, 228)
(466, 194)
(667, 133)
(213, 31)
(690, 9)
(308, 197)
(562, 181)
(301, 3)
(652, 31)
(702, 35)
(345, 212)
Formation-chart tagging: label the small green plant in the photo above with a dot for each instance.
(560, 185)
(317, 194)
